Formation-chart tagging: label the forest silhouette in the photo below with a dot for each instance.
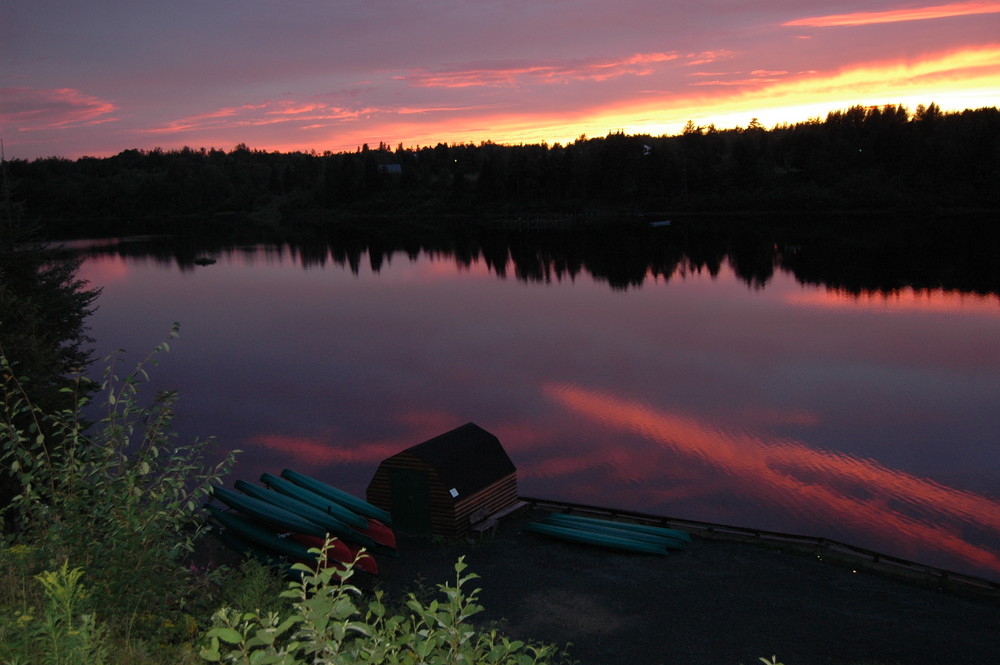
(859, 159)
(852, 254)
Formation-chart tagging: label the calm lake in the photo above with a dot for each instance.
(848, 392)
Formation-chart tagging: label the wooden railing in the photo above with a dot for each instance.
(821, 547)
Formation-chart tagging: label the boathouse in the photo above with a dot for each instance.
(447, 485)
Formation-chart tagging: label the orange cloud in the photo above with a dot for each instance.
(897, 15)
(955, 80)
(821, 484)
(30, 109)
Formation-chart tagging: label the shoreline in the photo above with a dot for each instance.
(821, 547)
(719, 602)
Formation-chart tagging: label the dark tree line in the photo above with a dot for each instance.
(43, 333)
(862, 158)
(854, 254)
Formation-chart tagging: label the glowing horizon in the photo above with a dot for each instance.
(336, 80)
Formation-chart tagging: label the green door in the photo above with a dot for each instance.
(409, 492)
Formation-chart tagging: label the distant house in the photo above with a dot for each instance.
(390, 169)
(444, 484)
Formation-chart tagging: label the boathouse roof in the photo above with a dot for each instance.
(466, 459)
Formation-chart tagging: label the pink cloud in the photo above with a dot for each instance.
(706, 57)
(918, 511)
(507, 75)
(737, 78)
(255, 115)
(897, 15)
(31, 109)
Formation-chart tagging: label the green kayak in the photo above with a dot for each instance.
(328, 522)
(350, 501)
(595, 538)
(268, 512)
(669, 543)
(668, 540)
(337, 510)
(259, 536)
(674, 534)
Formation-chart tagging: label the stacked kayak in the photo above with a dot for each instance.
(624, 536)
(288, 515)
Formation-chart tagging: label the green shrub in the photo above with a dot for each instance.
(120, 499)
(330, 622)
(63, 631)
(254, 587)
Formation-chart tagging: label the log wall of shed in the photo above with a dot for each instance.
(449, 515)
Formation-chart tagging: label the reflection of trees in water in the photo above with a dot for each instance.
(855, 255)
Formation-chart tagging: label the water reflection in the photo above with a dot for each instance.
(919, 513)
(902, 300)
(859, 257)
(334, 352)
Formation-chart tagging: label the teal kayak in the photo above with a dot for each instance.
(595, 538)
(331, 493)
(328, 522)
(268, 512)
(259, 536)
(674, 534)
(374, 529)
(669, 543)
(337, 510)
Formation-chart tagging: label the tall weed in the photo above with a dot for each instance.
(119, 497)
(332, 623)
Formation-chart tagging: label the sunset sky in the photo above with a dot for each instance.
(94, 78)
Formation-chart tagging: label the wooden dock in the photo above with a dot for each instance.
(822, 548)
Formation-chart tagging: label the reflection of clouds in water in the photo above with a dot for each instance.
(822, 485)
(906, 300)
(101, 270)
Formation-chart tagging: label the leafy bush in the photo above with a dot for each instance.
(57, 629)
(121, 501)
(330, 623)
(254, 587)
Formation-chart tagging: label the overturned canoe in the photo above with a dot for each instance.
(370, 526)
(258, 535)
(250, 537)
(673, 534)
(668, 540)
(268, 513)
(341, 512)
(332, 525)
(594, 538)
(331, 493)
